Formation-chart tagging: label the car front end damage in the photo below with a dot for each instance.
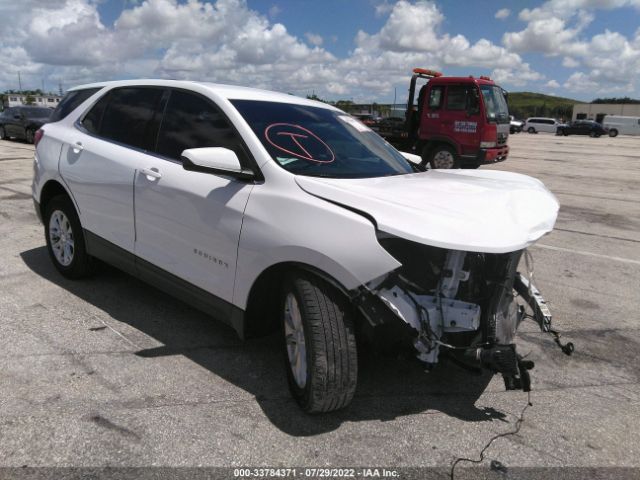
(457, 303)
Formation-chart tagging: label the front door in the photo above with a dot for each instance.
(188, 223)
(461, 117)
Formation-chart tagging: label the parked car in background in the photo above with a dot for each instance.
(582, 127)
(515, 126)
(541, 124)
(23, 122)
(273, 212)
(620, 124)
(368, 120)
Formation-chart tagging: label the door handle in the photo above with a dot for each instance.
(77, 147)
(151, 173)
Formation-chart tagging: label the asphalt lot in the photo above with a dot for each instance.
(111, 372)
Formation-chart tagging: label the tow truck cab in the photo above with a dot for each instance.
(458, 121)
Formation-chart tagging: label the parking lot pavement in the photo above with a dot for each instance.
(110, 371)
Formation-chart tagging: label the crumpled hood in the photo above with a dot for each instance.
(472, 210)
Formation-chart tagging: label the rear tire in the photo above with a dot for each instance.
(65, 238)
(613, 132)
(29, 136)
(319, 342)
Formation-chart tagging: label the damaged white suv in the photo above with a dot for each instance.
(270, 211)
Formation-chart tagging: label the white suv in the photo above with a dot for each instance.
(541, 124)
(273, 212)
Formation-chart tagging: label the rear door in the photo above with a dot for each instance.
(99, 160)
(188, 223)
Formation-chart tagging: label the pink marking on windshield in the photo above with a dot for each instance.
(299, 136)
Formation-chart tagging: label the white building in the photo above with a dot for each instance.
(16, 100)
(597, 111)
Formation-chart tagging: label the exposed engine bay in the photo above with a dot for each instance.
(461, 303)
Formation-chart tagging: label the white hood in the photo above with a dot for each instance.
(473, 210)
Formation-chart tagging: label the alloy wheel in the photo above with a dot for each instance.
(61, 238)
(295, 341)
(443, 159)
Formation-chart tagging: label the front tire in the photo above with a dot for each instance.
(65, 238)
(613, 132)
(443, 157)
(320, 346)
(531, 130)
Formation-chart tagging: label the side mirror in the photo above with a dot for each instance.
(216, 160)
(412, 157)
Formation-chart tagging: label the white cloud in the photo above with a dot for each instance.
(314, 39)
(502, 13)
(274, 11)
(557, 28)
(552, 84)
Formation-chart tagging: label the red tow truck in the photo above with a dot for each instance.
(458, 122)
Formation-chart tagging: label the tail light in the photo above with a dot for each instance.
(37, 137)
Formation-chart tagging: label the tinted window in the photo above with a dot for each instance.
(456, 98)
(320, 142)
(128, 114)
(435, 97)
(93, 118)
(35, 112)
(191, 121)
(70, 102)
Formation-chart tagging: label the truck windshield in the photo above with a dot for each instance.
(320, 142)
(495, 104)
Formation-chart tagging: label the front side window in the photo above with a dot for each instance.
(191, 121)
(125, 116)
(320, 142)
(456, 97)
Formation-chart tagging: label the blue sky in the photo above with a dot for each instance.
(358, 49)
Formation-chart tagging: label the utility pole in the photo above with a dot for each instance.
(43, 86)
(60, 87)
(19, 81)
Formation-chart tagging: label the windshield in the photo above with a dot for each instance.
(320, 142)
(495, 104)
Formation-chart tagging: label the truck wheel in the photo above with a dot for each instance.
(443, 157)
(531, 130)
(320, 344)
(613, 132)
(65, 238)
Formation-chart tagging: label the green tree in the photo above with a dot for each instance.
(29, 100)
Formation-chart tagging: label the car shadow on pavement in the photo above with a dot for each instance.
(389, 386)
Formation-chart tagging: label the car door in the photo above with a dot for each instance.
(188, 223)
(13, 118)
(100, 156)
(461, 116)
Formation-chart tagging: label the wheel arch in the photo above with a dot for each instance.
(263, 302)
(50, 189)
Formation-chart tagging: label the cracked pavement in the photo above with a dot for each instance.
(110, 371)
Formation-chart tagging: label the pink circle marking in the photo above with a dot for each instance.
(294, 136)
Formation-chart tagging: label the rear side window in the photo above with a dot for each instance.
(70, 102)
(191, 121)
(124, 115)
(435, 97)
